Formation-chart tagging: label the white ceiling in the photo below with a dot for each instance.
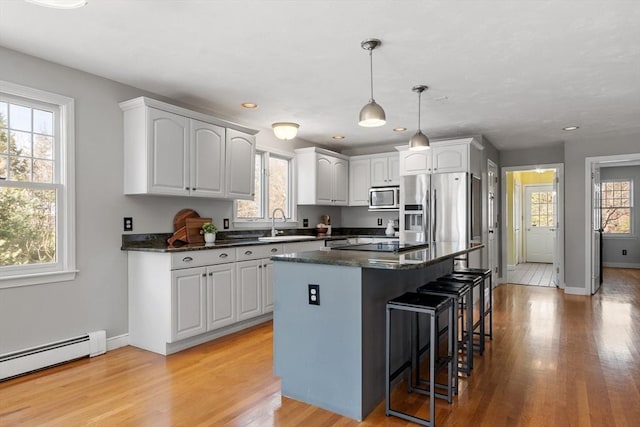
(514, 71)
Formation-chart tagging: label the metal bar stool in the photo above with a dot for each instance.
(474, 282)
(433, 307)
(460, 294)
(487, 277)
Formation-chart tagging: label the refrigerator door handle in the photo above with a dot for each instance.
(435, 215)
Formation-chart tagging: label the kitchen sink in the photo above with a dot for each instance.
(284, 238)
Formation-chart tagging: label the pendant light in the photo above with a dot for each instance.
(372, 114)
(419, 140)
(285, 130)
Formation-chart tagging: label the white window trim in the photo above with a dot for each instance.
(291, 222)
(66, 209)
(632, 234)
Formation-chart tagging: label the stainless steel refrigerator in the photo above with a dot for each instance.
(440, 208)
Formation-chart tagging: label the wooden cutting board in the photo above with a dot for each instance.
(194, 226)
(179, 220)
(180, 234)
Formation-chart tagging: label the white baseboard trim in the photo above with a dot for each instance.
(117, 342)
(621, 264)
(511, 267)
(571, 290)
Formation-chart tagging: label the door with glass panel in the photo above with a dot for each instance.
(540, 227)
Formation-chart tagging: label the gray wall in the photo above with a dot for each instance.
(533, 156)
(613, 246)
(575, 153)
(97, 299)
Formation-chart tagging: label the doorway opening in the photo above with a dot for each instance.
(533, 211)
(610, 217)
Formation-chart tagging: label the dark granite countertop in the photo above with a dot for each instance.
(408, 260)
(158, 242)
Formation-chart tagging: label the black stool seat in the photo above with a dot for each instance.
(445, 287)
(433, 306)
(468, 270)
(416, 300)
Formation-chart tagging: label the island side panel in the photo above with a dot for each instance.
(379, 286)
(318, 348)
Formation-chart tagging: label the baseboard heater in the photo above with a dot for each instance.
(32, 359)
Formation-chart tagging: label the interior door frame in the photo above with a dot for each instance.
(558, 262)
(517, 222)
(589, 164)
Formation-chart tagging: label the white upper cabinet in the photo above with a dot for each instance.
(240, 165)
(172, 151)
(450, 157)
(457, 155)
(385, 170)
(359, 182)
(323, 177)
(414, 162)
(207, 156)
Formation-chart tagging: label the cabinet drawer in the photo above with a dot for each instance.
(201, 258)
(258, 251)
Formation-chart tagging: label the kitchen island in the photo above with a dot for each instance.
(332, 354)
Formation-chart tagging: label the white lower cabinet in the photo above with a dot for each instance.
(255, 288)
(221, 296)
(188, 303)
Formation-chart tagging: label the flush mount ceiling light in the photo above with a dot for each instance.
(570, 128)
(400, 129)
(372, 114)
(419, 140)
(60, 4)
(285, 130)
(249, 105)
(337, 137)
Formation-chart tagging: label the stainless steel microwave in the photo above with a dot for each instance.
(384, 198)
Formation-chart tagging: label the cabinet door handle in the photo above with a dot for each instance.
(248, 253)
(223, 255)
(211, 273)
(186, 188)
(193, 188)
(204, 274)
(274, 249)
(187, 259)
(259, 266)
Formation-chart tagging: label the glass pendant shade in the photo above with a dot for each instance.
(285, 130)
(60, 4)
(372, 115)
(419, 141)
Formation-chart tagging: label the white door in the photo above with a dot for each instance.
(517, 221)
(267, 286)
(324, 180)
(492, 215)
(248, 278)
(596, 224)
(379, 172)
(539, 216)
(221, 297)
(341, 182)
(188, 290)
(169, 154)
(207, 159)
(359, 178)
(240, 163)
(394, 169)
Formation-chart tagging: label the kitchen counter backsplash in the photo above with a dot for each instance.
(158, 241)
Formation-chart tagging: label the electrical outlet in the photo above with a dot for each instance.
(379, 221)
(624, 252)
(314, 294)
(128, 223)
(305, 222)
(225, 223)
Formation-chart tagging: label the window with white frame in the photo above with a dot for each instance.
(616, 204)
(36, 187)
(273, 189)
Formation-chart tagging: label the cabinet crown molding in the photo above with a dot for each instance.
(321, 151)
(160, 105)
(471, 140)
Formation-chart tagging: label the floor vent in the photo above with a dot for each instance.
(32, 359)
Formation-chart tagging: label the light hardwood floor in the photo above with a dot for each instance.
(556, 360)
(532, 273)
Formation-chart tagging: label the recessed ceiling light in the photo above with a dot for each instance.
(337, 137)
(400, 129)
(60, 4)
(569, 128)
(249, 105)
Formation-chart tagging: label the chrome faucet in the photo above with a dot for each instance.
(275, 232)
